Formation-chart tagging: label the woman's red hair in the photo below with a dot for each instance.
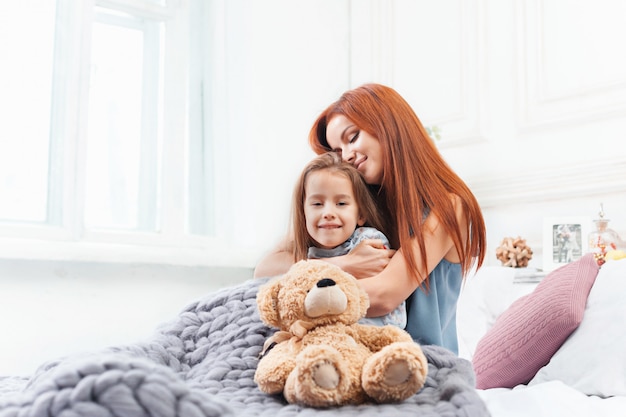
(416, 179)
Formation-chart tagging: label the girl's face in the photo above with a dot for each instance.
(357, 147)
(330, 208)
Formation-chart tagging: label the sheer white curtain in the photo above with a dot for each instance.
(26, 62)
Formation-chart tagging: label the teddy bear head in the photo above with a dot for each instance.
(314, 291)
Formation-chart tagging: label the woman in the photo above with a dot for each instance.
(433, 219)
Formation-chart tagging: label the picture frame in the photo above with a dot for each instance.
(565, 239)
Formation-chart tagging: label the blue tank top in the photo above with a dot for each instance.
(431, 317)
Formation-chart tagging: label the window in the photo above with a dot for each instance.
(123, 134)
(26, 85)
(99, 145)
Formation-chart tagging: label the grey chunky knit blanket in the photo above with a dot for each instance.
(202, 364)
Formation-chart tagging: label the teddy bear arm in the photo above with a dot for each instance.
(272, 371)
(377, 337)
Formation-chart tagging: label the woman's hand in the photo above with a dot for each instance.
(367, 259)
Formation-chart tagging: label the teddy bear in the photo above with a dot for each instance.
(321, 356)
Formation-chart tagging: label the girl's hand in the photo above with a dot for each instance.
(367, 259)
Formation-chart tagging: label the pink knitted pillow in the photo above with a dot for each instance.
(531, 330)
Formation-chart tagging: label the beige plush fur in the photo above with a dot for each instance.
(321, 356)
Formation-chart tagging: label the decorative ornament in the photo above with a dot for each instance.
(604, 243)
(514, 252)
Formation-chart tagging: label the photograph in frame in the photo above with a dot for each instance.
(564, 240)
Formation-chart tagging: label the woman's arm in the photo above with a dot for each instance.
(368, 258)
(277, 262)
(273, 264)
(394, 284)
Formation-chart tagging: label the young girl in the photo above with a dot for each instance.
(433, 219)
(331, 206)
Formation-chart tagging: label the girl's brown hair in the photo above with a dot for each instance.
(332, 162)
(416, 180)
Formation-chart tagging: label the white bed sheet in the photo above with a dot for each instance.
(550, 399)
(484, 297)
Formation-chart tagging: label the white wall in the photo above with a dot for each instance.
(277, 64)
(530, 97)
(54, 309)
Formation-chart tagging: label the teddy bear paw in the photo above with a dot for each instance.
(320, 379)
(325, 375)
(395, 372)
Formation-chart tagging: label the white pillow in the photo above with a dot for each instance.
(485, 296)
(593, 359)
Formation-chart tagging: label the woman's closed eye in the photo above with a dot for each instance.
(350, 140)
(354, 137)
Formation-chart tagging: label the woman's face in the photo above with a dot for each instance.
(357, 147)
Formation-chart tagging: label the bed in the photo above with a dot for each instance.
(201, 363)
(582, 372)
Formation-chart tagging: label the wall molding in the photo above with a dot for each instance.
(383, 49)
(462, 126)
(541, 104)
(543, 185)
(371, 45)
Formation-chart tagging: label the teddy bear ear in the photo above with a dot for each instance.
(267, 302)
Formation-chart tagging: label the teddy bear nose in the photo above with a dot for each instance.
(325, 282)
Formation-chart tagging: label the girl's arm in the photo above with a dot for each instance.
(394, 284)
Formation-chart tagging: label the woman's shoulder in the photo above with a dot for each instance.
(459, 207)
(456, 201)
